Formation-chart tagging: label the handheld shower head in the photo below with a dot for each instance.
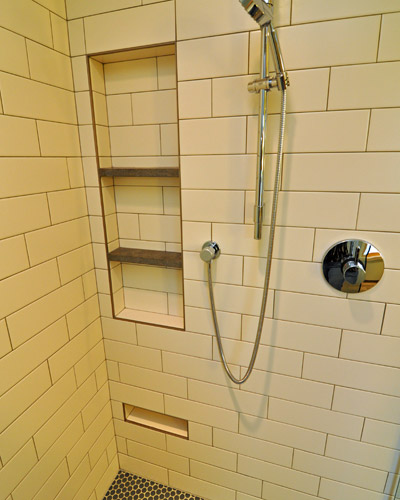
(260, 10)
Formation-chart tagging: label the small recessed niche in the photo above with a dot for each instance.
(156, 421)
(134, 104)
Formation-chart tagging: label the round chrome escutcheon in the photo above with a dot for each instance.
(353, 266)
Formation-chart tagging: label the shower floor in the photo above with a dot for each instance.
(130, 487)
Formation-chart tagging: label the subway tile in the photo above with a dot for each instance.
(5, 344)
(146, 300)
(200, 433)
(377, 349)
(171, 200)
(75, 263)
(169, 140)
(256, 448)
(223, 64)
(316, 45)
(75, 171)
(334, 490)
(80, 73)
(41, 313)
(128, 226)
(355, 86)
(59, 27)
(356, 375)
(290, 388)
(381, 433)
(195, 234)
(367, 404)
(194, 99)
(391, 321)
(341, 471)
(17, 468)
(100, 109)
(367, 455)
(140, 434)
(230, 97)
(92, 479)
(166, 72)
(76, 37)
(154, 107)
(319, 419)
(130, 76)
(213, 206)
(27, 19)
(201, 413)
(137, 396)
(119, 330)
(134, 355)
(390, 39)
(199, 487)
(213, 136)
(219, 476)
(67, 205)
(382, 134)
(158, 457)
(135, 141)
(201, 452)
(149, 24)
(231, 399)
(140, 199)
(51, 242)
(48, 66)
(55, 482)
(12, 128)
(283, 476)
(312, 10)
(384, 205)
(161, 279)
(58, 139)
(329, 311)
(89, 363)
(13, 256)
(228, 270)
(160, 228)
(13, 60)
(275, 492)
(75, 481)
(83, 108)
(153, 380)
(119, 110)
(144, 469)
(76, 8)
(238, 239)
(331, 131)
(27, 98)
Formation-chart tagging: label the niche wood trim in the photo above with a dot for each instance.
(156, 421)
(139, 172)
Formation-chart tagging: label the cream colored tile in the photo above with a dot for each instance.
(377, 212)
(329, 311)
(201, 413)
(57, 240)
(391, 321)
(130, 199)
(80, 73)
(30, 320)
(339, 470)
(390, 39)
(75, 481)
(67, 205)
(89, 363)
(200, 321)
(154, 107)
(146, 300)
(136, 396)
(15, 60)
(194, 99)
(355, 86)
(87, 140)
(49, 66)
(272, 491)
(171, 200)
(131, 76)
(107, 478)
(140, 434)
(166, 72)
(200, 433)
(80, 317)
(13, 256)
(169, 140)
(158, 457)
(313, 10)
(282, 475)
(144, 469)
(16, 469)
(214, 206)
(100, 109)
(58, 139)
(331, 131)
(153, 380)
(12, 129)
(223, 64)
(32, 99)
(28, 19)
(382, 134)
(230, 97)
(364, 376)
(128, 226)
(335, 490)
(195, 234)
(377, 349)
(55, 482)
(316, 45)
(198, 487)
(150, 24)
(103, 141)
(152, 278)
(281, 433)
(213, 136)
(75, 172)
(202, 453)
(76, 8)
(76, 37)
(238, 239)
(75, 263)
(309, 172)
(228, 270)
(92, 479)
(89, 284)
(59, 27)
(380, 433)
(83, 108)
(160, 228)
(135, 141)
(5, 344)
(119, 110)
(131, 354)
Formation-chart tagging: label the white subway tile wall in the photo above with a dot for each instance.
(319, 417)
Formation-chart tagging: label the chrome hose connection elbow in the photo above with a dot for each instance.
(281, 82)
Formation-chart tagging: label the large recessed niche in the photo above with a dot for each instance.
(134, 103)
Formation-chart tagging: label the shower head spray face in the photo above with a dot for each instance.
(260, 10)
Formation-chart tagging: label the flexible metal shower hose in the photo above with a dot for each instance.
(268, 265)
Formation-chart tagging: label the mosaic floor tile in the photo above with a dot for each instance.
(130, 487)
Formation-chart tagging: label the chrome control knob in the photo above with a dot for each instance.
(354, 272)
(210, 251)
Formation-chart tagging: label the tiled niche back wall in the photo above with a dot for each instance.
(319, 417)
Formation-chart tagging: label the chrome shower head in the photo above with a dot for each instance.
(260, 10)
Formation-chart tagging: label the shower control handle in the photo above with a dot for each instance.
(210, 251)
(354, 272)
